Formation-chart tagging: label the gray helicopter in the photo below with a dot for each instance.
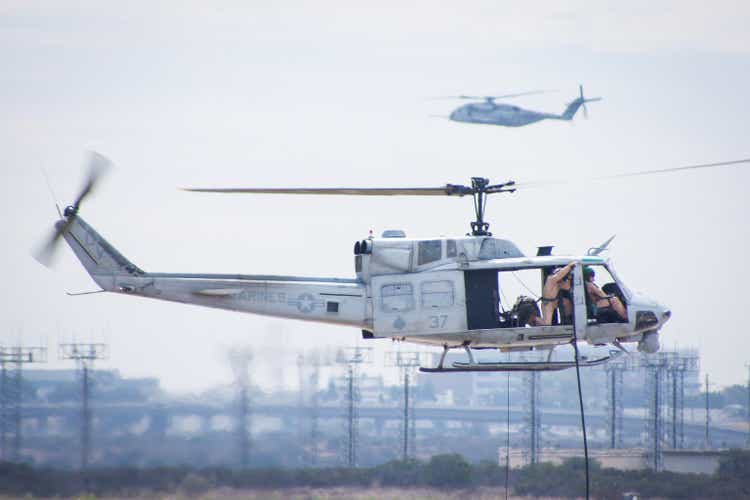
(443, 291)
(488, 112)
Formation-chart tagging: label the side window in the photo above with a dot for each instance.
(437, 294)
(397, 297)
(429, 251)
(450, 248)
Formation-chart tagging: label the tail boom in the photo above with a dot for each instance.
(327, 300)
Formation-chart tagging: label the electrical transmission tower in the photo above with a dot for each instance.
(708, 416)
(309, 382)
(406, 362)
(12, 360)
(84, 355)
(678, 365)
(656, 366)
(614, 371)
(239, 359)
(532, 388)
(353, 357)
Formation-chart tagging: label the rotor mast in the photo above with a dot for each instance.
(480, 189)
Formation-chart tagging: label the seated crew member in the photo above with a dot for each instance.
(526, 312)
(600, 301)
(551, 297)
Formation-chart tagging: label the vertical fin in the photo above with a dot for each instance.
(99, 258)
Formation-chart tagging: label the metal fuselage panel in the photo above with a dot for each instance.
(432, 302)
(509, 116)
(336, 303)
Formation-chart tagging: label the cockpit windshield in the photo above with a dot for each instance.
(625, 290)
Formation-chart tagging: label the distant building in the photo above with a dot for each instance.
(681, 461)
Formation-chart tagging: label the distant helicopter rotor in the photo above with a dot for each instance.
(491, 98)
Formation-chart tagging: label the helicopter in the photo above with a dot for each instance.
(488, 112)
(443, 291)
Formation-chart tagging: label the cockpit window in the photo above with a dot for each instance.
(625, 290)
(493, 248)
(487, 250)
(450, 248)
(429, 251)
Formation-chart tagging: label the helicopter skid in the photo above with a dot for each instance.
(521, 366)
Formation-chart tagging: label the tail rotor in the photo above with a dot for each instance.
(583, 101)
(97, 166)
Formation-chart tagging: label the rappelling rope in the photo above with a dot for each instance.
(580, 403)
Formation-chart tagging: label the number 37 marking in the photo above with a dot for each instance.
(438, 321)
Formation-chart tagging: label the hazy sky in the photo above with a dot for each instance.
(340, 93)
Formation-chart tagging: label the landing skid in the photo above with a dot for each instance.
(521, 366)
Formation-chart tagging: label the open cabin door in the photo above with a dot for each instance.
(481, 299)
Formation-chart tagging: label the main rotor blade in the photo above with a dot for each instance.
(533, 184)
(447, 190)
(506, 96)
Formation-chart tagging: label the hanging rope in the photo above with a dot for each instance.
(507, 434)
(524, 285)
(580, 404)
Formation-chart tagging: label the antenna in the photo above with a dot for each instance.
(353, 357)
(11, 395)
(84, 355)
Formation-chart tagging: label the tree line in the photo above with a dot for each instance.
(451, 471)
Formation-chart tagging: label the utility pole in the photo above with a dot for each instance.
(407, 362)
(11, 396)
(84, 355)
(353, 357)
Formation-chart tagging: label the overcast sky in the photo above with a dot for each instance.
(341, 93)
